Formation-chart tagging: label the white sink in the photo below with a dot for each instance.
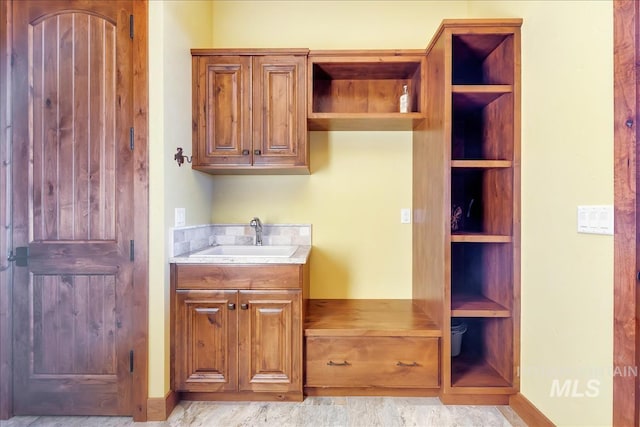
(248, 251)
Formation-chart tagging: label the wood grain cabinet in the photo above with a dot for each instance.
(237, 330)
(249, 111)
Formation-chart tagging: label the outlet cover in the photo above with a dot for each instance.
(180, 217)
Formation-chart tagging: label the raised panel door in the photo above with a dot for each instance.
(223, 127)
(279, 111)
(270, 341)
(206, 334)
(73, 319)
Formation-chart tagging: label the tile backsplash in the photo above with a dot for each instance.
(194, 238)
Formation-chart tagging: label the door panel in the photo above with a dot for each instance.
(74, 120)
(279, 129)
(223, 93)
(270, 341)
(71, 315)
(206, 337)
(72, 107)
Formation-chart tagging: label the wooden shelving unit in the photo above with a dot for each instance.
(469, 155)
(359, 90)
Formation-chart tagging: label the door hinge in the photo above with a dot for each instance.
(131, 361)
(131, 250)
(131, 137)
(131, 26)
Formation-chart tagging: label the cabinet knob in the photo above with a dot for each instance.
(231, 306)
(244, 306)
(257, 152)
(245, 152)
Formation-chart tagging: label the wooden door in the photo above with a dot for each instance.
(73, 207)
(206, 341)
(279, 111)
(270, 341)
(222, 105)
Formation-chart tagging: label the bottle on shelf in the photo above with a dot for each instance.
(404, 100)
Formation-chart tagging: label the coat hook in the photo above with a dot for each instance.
(180, 158)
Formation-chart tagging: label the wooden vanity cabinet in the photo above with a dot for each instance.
(237, 331)
(249, 111)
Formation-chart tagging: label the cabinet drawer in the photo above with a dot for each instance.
(209, 276)
(403, 362)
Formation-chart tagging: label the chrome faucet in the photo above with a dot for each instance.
(257, 224)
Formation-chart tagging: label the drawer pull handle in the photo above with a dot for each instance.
(407, 365)
(332, 363)
(244, 306)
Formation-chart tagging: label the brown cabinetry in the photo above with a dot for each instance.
(249, 111)
(370, 347)
(467, 160)
(237, 330)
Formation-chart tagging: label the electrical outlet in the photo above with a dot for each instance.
(180, 217)
(405, 216)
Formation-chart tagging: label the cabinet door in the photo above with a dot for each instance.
(205, 337)
(222, 110)
(270, 341)
(279, 111)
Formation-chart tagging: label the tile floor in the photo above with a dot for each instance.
(313, 412)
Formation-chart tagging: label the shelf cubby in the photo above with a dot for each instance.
(484, 196)
(483, 58)
(482, 278)
(482, 125)
(486, 358)
(352, 90)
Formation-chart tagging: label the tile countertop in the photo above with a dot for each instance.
(300, 256)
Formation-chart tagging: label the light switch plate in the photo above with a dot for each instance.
(180, 217)
(405, 216)
(595, 219)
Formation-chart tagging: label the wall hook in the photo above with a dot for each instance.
(180, 158)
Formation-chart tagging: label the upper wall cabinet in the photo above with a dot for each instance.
(360, 90)
(249, 111)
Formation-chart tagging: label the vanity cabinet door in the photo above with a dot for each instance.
(270, 341)
(206, 336)
(222, 105)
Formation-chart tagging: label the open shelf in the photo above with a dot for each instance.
(481, 201)
(482, 126)
(469, 371)
(349, 84)
(364, 121)
(482, 278)
(486, 358)
(481, 164)
(483, 58)
(476, 305)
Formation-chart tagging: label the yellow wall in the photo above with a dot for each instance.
(567, 160)
(360, 180)
(174, 28)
